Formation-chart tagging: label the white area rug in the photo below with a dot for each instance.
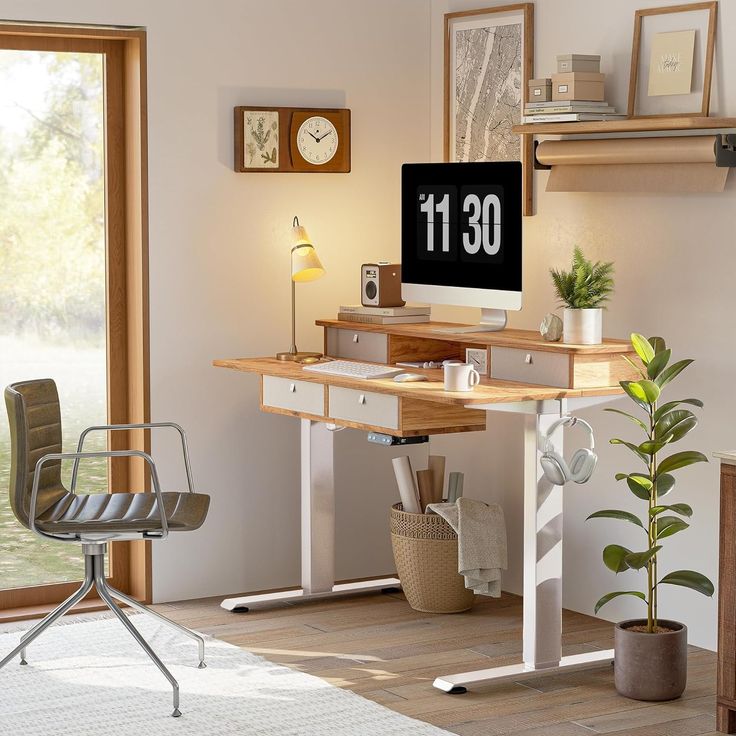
(92, 679)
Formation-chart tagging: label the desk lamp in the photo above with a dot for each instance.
(305, 266)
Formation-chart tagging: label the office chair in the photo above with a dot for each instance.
(42, 503)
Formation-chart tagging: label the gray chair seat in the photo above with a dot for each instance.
(123, 512)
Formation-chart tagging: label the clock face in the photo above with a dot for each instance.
(317, 140)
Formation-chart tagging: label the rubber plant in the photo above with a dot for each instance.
(662, 425)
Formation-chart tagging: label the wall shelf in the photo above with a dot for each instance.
(634, 125)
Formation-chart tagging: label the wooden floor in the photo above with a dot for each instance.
(378, 647)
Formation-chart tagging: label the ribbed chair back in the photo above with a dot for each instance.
(34, 416)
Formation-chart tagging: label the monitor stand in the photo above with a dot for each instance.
(491, 320)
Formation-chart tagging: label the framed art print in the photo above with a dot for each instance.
(261, 139)
(672, 60)
(489, 60)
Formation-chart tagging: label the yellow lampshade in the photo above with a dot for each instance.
(305, 263)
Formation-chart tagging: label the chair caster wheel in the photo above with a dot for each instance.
(201, 666)
(241, 609)
(457, 690)
(176, 713)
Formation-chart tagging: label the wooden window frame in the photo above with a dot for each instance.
(126, 206)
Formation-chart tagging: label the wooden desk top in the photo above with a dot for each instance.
(489, 391)
(523, 339)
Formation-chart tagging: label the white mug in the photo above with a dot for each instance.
(461, 377)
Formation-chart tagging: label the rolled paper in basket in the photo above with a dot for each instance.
(452, 488)
(407, 486)
(437, 466)
(424, 481)
(456, 487)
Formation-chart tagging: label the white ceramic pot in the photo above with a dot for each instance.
(582, 326)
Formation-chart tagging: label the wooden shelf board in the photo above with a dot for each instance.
(632, 125)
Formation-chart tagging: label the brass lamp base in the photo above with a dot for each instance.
(299, 357)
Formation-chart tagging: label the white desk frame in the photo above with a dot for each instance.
(543, 511)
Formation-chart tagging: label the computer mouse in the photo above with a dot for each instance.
(409, 377)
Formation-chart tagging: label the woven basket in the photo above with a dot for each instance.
(425, 552)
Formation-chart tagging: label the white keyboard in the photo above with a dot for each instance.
(351, 369)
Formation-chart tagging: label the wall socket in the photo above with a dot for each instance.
(478, 358)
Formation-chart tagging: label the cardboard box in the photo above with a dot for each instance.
(540, 90)
(578, 63)
(578, 86)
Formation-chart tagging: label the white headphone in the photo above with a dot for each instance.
(582, 464)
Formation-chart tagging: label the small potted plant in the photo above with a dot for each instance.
(583, 290)
(651, 653)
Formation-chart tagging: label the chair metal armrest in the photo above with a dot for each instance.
(77, 456)
(146, 425)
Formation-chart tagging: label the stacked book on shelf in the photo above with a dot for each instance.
(574, 94)
(569, 111)
(384, 315)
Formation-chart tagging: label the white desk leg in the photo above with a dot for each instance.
(317, 528)
(318, 507)
(542, 645)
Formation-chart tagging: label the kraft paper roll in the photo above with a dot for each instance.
(424, 481)
(437, 467)
(407, 485)
(676, 164)
(675, 150)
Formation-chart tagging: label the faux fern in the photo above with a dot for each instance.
(586, 285)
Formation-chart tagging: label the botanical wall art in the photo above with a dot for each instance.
(261, 135)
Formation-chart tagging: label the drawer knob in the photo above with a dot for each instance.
(528, 359)
(356, 338)
(292, 388)
(361, 399)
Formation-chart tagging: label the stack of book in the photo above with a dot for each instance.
(384, 315)
(568, 111)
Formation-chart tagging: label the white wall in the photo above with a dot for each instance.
(219, 250)
(675, 260)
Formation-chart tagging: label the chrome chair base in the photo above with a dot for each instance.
(94, 576)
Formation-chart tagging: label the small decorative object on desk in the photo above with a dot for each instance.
(651, 653)
(583, 290)
(551, 327)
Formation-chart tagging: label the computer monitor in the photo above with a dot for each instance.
(461, 237)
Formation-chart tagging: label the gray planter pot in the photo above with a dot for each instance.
(650, 666)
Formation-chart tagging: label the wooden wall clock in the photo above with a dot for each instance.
(292, 140)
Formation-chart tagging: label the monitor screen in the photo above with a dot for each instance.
(461, 225)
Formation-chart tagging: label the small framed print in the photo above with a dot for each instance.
(261, 139)
(672, 60)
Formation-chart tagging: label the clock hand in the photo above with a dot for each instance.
(323, 136)
(314, 136)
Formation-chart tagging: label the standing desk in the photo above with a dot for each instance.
(528, 376)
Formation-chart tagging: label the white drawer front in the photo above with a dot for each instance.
(303, 396)
(357, 345)
(378, 410)
(531, 366)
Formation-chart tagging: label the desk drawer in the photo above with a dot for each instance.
(531, 366)
(357, 345)
(301, 396)
(364, 407)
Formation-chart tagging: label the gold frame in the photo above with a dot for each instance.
(527, 73)
(712, 7)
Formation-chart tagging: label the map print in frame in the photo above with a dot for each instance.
(488, 63)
